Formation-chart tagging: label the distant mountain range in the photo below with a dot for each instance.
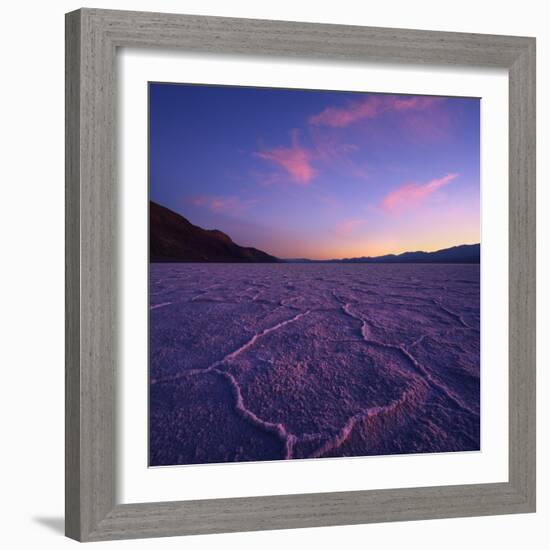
(462, 254)
(174, 239)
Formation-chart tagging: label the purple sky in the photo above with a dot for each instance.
(316, 174)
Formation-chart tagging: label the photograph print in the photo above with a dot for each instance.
(314, 274)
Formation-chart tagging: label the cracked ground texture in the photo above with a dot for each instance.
(256, 362)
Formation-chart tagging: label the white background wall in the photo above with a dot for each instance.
(31, 303)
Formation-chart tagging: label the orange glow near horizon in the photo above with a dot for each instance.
(375, 249)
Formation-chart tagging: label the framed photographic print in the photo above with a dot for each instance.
(300, 275)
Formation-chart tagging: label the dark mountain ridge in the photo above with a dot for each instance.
(461, 254)
(172, 238)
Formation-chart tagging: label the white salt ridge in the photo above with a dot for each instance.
(418, 368)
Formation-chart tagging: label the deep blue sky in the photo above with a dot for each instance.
(317, 174)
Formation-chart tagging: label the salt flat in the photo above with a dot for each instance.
(280, 361)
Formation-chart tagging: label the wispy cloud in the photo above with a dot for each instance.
(329, 147)
(371, 107)
(338, 117)
(294, 160)
(336, 153)
(411, 103)
(221, 204)
(347, 228)
(410, 194)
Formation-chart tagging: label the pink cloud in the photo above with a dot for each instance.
(334, 153)
(294, 160)
(338, 117)
(411, 103)
(328, 146)
(372, 107)
(220, 204)
(411, 194)
(347, 228)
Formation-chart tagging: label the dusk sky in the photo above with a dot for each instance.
(314, 174)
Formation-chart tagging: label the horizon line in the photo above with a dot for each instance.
(396, 254)
(330, 259)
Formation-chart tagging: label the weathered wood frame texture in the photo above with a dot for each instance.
(92, 38)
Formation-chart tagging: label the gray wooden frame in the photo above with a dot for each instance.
(92, 38)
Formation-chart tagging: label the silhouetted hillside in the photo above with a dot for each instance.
(172, 238)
